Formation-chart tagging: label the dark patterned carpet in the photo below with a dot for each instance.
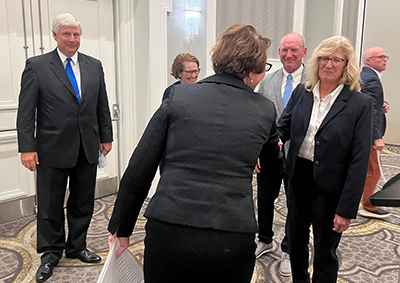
(369, 251)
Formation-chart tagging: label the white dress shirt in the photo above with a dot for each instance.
(320, 108)
(75, 67)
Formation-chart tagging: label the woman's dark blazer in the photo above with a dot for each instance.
(342, 144)
(212, 133)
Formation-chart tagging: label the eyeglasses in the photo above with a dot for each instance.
(335, 61)
(382, 57)
(268, 67)
(191, 72)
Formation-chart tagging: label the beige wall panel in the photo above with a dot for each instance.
(382, 24)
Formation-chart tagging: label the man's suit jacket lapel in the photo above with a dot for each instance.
(276, 91)
(303, 76)
(58, 69)
(84, 68)
(338, 105)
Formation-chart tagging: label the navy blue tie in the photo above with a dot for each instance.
(72, 79)
(288, 90)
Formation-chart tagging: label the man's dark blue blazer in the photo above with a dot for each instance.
(371, 85)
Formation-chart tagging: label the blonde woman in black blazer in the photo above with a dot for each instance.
(328, 157)
(201, 222)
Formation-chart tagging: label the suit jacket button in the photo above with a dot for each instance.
(79, 116)
(316, 162)
(317, 143)
(77, 133)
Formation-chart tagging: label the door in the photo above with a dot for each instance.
(25, 28)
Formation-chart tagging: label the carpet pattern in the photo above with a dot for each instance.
(368, 252)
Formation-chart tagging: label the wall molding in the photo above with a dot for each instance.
(7, 105)
(12, 195)
(338, 17)
(299, 16)
(8, 137)
(125, 79)
(211, 32)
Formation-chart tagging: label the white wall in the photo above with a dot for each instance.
(382, 24)
(185, 36)
(319, 23)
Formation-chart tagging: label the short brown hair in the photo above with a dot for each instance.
(177, 65)
(239, 51)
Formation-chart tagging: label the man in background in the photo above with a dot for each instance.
(66, 93)
(278, 87)
(375, 60)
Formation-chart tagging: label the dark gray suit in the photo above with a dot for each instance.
(268, 185)
(67, 138)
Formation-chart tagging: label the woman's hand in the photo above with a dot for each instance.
(123, 243)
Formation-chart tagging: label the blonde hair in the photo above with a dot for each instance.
(239, 51)
(177, 65)
(351, 71)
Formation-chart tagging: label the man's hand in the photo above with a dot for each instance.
(340, 224)
(105, 148)
(379, 145)
(30, 160)
(385, 107)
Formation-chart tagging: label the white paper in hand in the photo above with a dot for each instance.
(103, 161)
(124, 269)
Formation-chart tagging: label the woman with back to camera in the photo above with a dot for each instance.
(186, 68)
(329, 125)
(201, 223)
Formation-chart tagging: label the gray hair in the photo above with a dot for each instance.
(67, 20)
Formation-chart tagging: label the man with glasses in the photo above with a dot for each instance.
(278, 87)
(375, 60)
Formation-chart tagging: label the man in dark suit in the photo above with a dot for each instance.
(278, 87)
(66, 92)
(375, 60)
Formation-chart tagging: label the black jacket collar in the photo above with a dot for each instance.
(226, 79)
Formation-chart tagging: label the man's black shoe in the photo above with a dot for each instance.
(86, 256)
(44, 272)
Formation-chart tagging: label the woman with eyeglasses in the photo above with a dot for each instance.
(329, 125)
(201, 222)
(185, 68)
